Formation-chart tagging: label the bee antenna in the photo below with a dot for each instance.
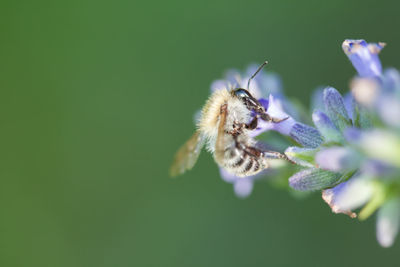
(255, 73)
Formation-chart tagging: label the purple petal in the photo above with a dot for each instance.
(275, 110)
(267, 82)
(352, 135)
(219, 85)
(389, 109)
(391, 81)
(237, 80)
(264, 102)
(284, 127)
(233, 78)
(227, 176)
(349, 195)
(329, 196)
(364, 57)
(337, 159)
(256, 84)
(388, 221)
(377, 168)
(271, 84)
(261, 85)
(243, 187)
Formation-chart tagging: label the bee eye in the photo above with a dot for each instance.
(248, 100)
(241, 93)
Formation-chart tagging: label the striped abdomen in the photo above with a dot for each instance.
(243, 161)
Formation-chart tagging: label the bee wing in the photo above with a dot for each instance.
(188, 154)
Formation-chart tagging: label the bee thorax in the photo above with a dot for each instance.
(236, 110)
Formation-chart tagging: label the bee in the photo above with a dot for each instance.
(224, 126)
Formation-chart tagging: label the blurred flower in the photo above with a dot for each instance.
(387, 225)
(242, 186)
(358, 163)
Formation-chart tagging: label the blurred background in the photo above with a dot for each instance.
(96, 96)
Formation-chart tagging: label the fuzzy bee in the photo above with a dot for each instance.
(224, 126)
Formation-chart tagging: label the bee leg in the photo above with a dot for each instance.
(253, 124)
(276, 155)
(276, 120)
(237, 129)
(268, 118)
(223, 109)
(220, 144)
(250, 126)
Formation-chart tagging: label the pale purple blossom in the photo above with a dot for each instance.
(364, 57)
(388, 222)
(358, 162)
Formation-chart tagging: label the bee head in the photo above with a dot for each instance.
(250, 102)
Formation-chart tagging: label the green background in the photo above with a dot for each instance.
(96, 96)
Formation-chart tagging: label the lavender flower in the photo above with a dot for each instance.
(358, 163)
(242, 186)
(330, 125)
(353, 153)
(364, 57)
